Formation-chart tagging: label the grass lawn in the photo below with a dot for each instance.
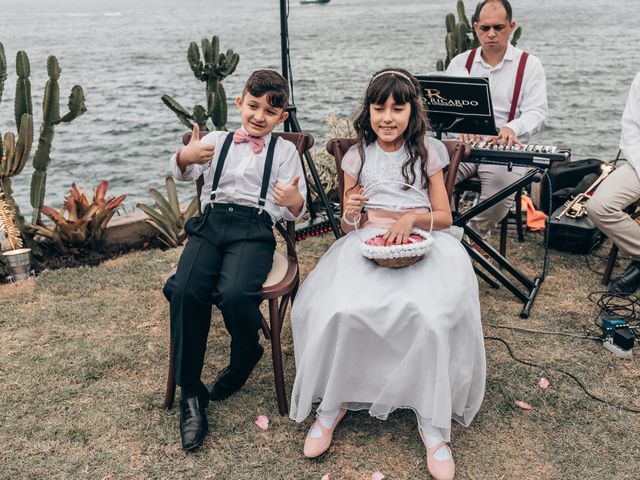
(83, 358)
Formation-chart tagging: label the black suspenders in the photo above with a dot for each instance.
(265, 175)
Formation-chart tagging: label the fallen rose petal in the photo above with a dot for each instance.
(543, 383)
(262, 422)
(326, 476)
(523, 405)
(377, 476)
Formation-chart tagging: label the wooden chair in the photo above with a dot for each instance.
(457, 152)
(279, 288)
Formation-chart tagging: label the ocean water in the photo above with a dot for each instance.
(127, 54)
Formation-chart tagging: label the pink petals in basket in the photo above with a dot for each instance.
(378, 241)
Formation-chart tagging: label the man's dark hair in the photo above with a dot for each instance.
(271, 83)
(481, 5)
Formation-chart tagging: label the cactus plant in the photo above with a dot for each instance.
(3, 69)
(14, 154)
(167, 219)
(212, 68)
(50, 118)
(23, 102)
(79, 223)
(461, 36)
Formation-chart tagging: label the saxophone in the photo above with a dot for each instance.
(577, 207)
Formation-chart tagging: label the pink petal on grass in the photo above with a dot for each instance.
(377, 476)
(326, 476)
(543, 383)
(262, 422)
(523, 405)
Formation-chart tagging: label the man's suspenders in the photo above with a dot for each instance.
(518, 84)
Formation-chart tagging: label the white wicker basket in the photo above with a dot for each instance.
(396, 256)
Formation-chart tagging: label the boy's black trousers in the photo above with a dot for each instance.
(229, 254)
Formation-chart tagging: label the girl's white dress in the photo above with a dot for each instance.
(379, 338)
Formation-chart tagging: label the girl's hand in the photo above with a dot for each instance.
(399, 232)
(354, 204)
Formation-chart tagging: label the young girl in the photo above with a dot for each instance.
(375, 338)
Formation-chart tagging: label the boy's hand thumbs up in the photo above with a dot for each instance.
(288, 195)
(195, 134)
(195, 151)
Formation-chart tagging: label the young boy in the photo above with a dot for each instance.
(251, 180)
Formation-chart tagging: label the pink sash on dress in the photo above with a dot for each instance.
(377, 217)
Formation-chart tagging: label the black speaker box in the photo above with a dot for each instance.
(575, 235)
(563, 176)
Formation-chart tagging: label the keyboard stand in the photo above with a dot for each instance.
(523, 288)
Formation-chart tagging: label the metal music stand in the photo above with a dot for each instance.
(463, 105)
(291, 125)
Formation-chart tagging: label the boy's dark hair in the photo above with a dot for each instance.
(405, 89)
(481, 5)
(271, 83)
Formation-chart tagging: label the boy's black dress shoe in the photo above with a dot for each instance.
(228, 382)
(628, 282)
(193, 418)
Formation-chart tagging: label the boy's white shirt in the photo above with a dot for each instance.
(241, 177)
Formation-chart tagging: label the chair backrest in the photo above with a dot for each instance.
(457, 150)
(302, 141)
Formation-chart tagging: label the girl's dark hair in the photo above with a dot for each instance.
(271, 83)
(405, 89)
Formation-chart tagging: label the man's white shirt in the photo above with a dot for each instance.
(532, 110)
(630, 135)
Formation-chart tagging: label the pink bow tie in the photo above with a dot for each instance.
(257, 144)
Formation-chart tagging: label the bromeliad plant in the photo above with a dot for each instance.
(212, 69)
(167, 218)
(462, 37)
(79, 223)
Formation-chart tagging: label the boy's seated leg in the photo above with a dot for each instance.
(189, 292)
(245, 267)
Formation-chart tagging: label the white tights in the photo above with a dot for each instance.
(326, 418)
(433, 436)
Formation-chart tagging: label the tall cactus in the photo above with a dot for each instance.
(50, 118)
(212, 68)
(3, 69)
(23, 87)
(14, 154)
(462, 37)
